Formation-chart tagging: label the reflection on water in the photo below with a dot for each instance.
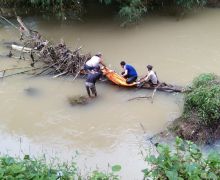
(109, 128)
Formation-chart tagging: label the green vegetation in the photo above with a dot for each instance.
(204, 99)
(133, 10)
(59, 8)
(96, 175)
(200, 121)
(36, 169)
(185, 162)
(189, 4)
(129, 10)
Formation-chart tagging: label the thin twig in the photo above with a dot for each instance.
(142, 126)
(147, 97)
(155, 90)
(60, 74)
(77, 74)
(43, 71)
(139, 97)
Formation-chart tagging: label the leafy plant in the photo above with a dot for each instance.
(189, 4)
(185, 162)
(97, 175)
(129, 10)
(133, 10)
(27, 168)
(204, 99)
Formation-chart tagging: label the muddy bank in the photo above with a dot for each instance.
(190, 130)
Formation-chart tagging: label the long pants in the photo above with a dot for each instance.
(130, 79)
(90, 87)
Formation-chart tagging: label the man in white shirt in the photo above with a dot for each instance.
(92, 63)
(150, 78)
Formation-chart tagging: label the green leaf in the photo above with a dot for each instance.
(212, 176)
(26, 156)
(116, 168)
(172, 175)
(146, 172)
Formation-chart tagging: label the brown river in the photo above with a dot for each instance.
(110, 129)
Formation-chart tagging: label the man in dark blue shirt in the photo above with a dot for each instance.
(92, 77)
(129, 72)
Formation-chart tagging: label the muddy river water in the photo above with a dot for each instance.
(110, 129)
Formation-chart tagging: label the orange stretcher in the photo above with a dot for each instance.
(116, 78)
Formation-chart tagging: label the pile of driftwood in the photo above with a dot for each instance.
(58, 59)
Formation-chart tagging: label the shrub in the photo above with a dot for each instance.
(12, 168)
(27, 168)
(204, 99)
(203, 80)
(189, 4)
(97, 175)
(133, 10)
(185, 162)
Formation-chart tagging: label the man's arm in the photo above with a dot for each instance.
(125, 72)
(102, 63)
(143, 78)
(147, 78)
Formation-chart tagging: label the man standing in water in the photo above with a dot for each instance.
(92, 77)
(94, 62)
(129, 72)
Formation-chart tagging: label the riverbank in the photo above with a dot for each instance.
(79, 10)
(110, 128)
(200, 121)
(185, 161)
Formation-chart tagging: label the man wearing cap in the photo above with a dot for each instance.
(92, 63)
(129, 72)
(92, 77)
(150, 78)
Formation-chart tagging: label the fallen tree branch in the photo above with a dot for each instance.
(47, 67)
(67, 62)
(23, 72)
(23, 26)
(58, 75)
(21, 48)
(147, 97)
